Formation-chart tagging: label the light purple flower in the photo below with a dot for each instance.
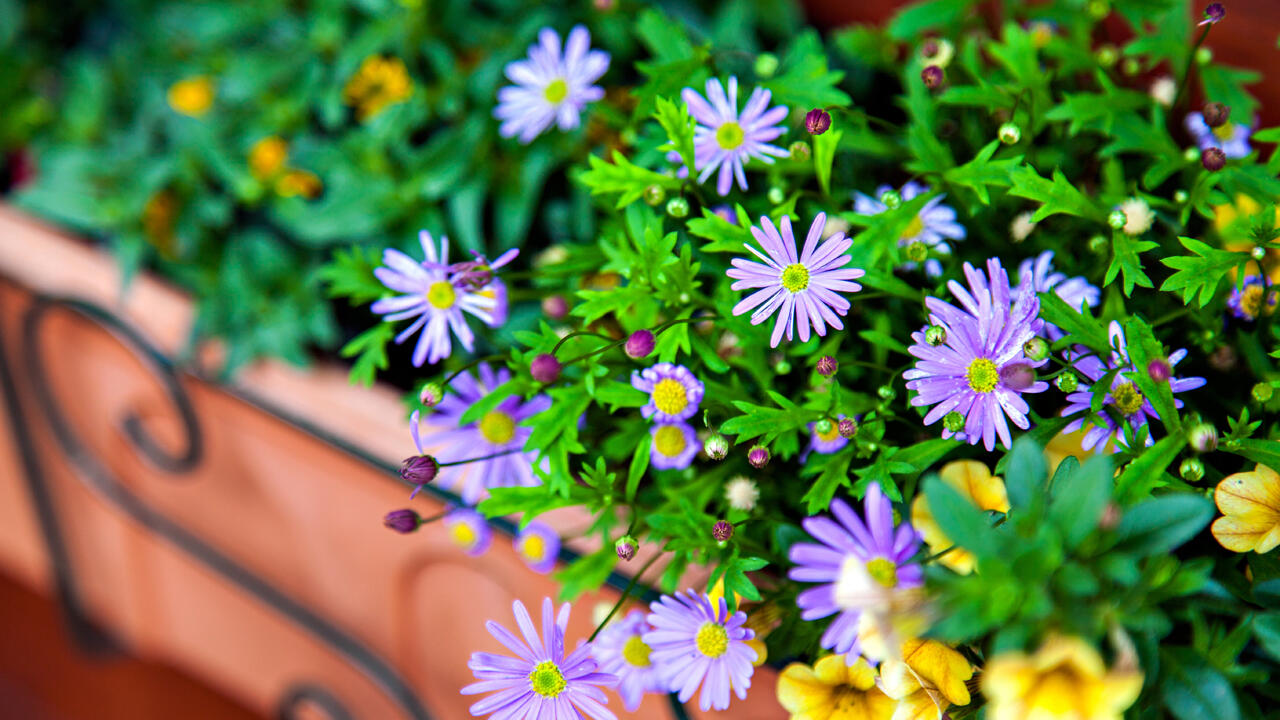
(539, 546)
(468, 529)
(802, 291)
(674, 446)
(674, 392)
(1230, 137)
(498, 431)
(697, 643)
(877, 548)
(981, 370)
(540, 682)
(550, 87)
(1125, 400)
(1246, 301)
(1076, 291)
(621, 651)
(932, 226)
(825, 443)
(725, 139)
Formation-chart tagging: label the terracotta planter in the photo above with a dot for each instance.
(234, 531)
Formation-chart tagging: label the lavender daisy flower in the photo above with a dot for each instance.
(825, 442)
(1230, 137)
(980, 370)
(432, 297)
(932, 226)
(468, 529)
(850, 550)
(1076, 291)
(621, 651)
(1124, 399)
(540, 682)
(697, 643)
(550, 87)
(725, 139)
(539, 546)
(801, 290)
(498, 431)
(1246, 302)
(674, 445)
(674, 392)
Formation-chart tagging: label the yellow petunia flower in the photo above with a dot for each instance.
(974, 481)
(833, 690)
(268, 156)
(379, 83)
(1065, 679)
(299, 183)
(1250, 505)
(928, 679)
(192, 96)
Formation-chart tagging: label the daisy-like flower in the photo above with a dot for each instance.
(825, 442)
(849, 553)
(1125, 400)
(1076, 291)
(980, 370)
(801, 290)
(674, 446)
(741, 493)
(540, 682)
(1247, 303)
(469, 530)
(431, 296)
(674, 392)
(539, 546)
(550, 86)
(498, 433)
(697, 643)
(1230, 137)
(621, 651)
(933, 226)
(725, 139)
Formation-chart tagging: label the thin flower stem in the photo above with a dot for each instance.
(470, 365)
(625, 593)
(432, 518)
(482, 457)
(578, 333)
(1186, 70)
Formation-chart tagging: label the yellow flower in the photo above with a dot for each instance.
(1250, 505)
(974, 481)
(832, 690)
(192, 96)
(1232, 221)
(928, 679)
(378, 83)
(1065, 679)
(267, 157)
(158, 217)
(299, 183)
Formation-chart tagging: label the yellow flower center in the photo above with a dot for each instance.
(547, 680)
(669, 440)
(830, 434)
(556, 91)
(883, 571)
(636, 652)
(982, 375)
(1224, 131)
(497, 427)
(669, 396)
(729, 135)
(1127, 399)
(795, 277)
(1251, 301)
(713, 640)
(441, 295)
(914, 228)
(463, 534)
(533, 547)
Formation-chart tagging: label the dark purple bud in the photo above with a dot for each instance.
(625, 547)
(545, 368)
(930, 48)
(721, 531)
(1160, 370)
(1213, 14)
(758, 456)
(816, 121)
(419, 469)
(1213, 159)
(1216, 114)
(555, 307)
(639, 344)
(847, 428)
(1018, 376)
(827, 366)
(932, 77)
(402, 521)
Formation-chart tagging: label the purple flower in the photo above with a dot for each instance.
(875, 549)
(1076, 291)
(1125, 400)
(550, 87)
(674, 392)
(932, 226)
(539, 546)
(1246, 302)
(725, 139)
(803, 290)
(674, 445)
(469, 529)
(1213, 14)
(825, 443)
(540, 682)
(980, 371)
(498, 431)
(621, 650)
(1231, 138)
(697, 643)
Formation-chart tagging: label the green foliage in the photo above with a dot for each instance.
(1202, 273)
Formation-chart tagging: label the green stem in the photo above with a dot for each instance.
(1186, 70)
(625, 593)
(470, 365)
(578, 333)
(482, 457)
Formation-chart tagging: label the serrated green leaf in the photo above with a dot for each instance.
(1201, 273)
(1056, 196)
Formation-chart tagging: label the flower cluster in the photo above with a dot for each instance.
(674, 394)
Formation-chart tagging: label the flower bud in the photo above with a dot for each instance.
(1098, 244)
(1213, 159)
(721, 531)
(419, 469)
(1018, 376)
(1204, 438)
(827, 366)
(654, 195)
(758, 456)
(953, 422)
(402, 521)
(817, 121)
(1067, 382)
(823, 426)
(625, 547)
(1036, 349)
(1160, 370)
(1107, 55)
(1191, 470)
(782, 367)
(677, 207)
(1213, 14)
(1117, 219)
(1204, 55)
(766, 65)
(716, 446)
(917, 252)
(431, 394)
(1098, 9)
(639, 344)
(937, 52)
(776, 195)
(1130, 66)
(932, 77)
(1181, 196)
(545, 368)
(1216, 114)
(1010, 133)
(555, 307)
(847, 428)
(800, 151)
(1262, 392)
(935, 335)
(886, 392)
(891, 199)
(1259, 253)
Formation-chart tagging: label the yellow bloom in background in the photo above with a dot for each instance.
(928, 679)
(158, 218)
(378, 83)
(267, 157)
(1065, 679)
(833, 690)
(1250, 505)
(1232, 221)
(1065, 445)
(299, 183)
(976, 483)
(192, 96)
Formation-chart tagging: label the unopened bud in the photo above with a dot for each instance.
(953, 422)
(1204, 438)
(800, 151)
(545, 368)
(823, 426)
(1262, 392)
(639, 344)
(1036, 349)
(654, 195)
(1160, 370)
(758, 456)
(1258, 253)
(1010, 133)
(817, 121)
(1181, 196)
(722, 531)
(1067, 382)
(1117, 219)
(419, 469)
(1191, 470)
(402, 521)
(1107, 55)
(766, 65)
(886, 392)
(1213, 159)
(555, 307)
(1098, 244)
(932, 77)
(716, 446)
(935, 335)
(776, 195)
(827, 366)
(1216, 114)
(847, 428)
(625, 547)
(891, 199)
(677, 207)
(917, 252)
(431, 394)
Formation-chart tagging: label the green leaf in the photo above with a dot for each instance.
(911, 22)
(1142, 347)
(528, 501)
(619, 395)
(724, 235)
(1161, 524)
(1266, 628)
(639, 463)
(370, 349)
(1025, 473)
(492, 399)
(1081, 327)
(350, 275)
(1079, 499)
(1191, 689)
(1147, 471)
(959, 519)
(586, 573)
(1057, 196)
(1266, 452)
(804, 80)
(982, 173)
(1125, 259)
(675, 120)
(760, 420)
(824, 154)
(623, 178)
(1203, 272)
(833, 474)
